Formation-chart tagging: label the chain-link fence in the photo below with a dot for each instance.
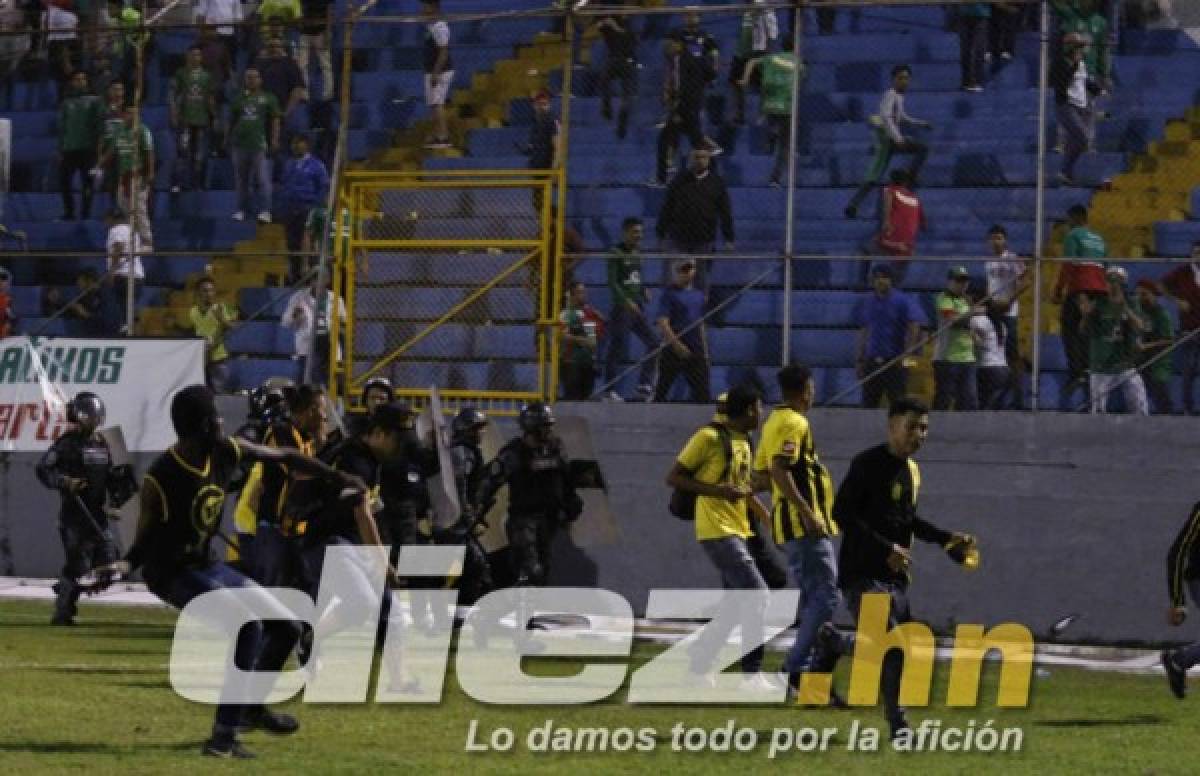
(835, 134)
(448, 280)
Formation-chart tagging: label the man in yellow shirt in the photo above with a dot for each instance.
(721, 482)
(211, 320)
(802, 511)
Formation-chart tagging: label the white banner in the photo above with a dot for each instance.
(135, 378)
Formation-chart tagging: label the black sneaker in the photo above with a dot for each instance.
(62, 618)
(1176, 675)
(270, 721)
(827, 649)
(899, 726)
(226, 747)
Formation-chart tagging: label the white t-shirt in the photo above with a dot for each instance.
(219, 12)
(120, 234)
(440, 32)
(1003, 274)
(1077, 93)
(988, 350)
(297, 316)
(60, 24)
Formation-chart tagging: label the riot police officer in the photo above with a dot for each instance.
(267, 407)
(376, 392)
(79, 465)
(541, 495)
(467, 458)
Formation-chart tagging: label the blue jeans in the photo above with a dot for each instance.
(738, 572)
(276, 557)
(814, 572)
(251, 167)
(621, 322)
(261, 646)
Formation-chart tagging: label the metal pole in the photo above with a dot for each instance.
(552, 272)
(135, 180)
(789, 230)
(1039, 209)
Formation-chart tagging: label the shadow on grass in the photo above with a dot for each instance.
(77, 747)
(1085, 722)
(91, 670)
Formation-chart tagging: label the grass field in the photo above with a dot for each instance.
(96, 699)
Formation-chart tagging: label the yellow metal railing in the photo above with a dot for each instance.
(362, 193)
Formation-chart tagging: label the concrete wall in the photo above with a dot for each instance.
(1074, 513)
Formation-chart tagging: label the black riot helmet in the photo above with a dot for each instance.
(268, 401)
(86, 409)
(381, 384)
(537, 419)
(468, 424)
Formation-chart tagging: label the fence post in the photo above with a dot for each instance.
(1039, 209)
(789, 229)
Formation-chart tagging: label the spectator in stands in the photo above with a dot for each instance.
(696, 203)
(687, 79)
(316, 37)
(277, 16)
(193, 106)
(1154, 362)
(253, 133)
(889, 139)
(121, 243)
(778, 70)
(93, 312)
(298, 316)
(439, 71)
(113, 119)
(225, 16)
(1076, 280)
(1183, 285)
(126, 43)
(132, 148)
(314, 232)
(699, 45)
(544, 147)
(1113, 327)
(1005, 282)
(582, 329)
(304, 186)
(1003, 27)
(954, 376)
(629, 300)
(8, 318)
(281, 78)
(758, 33)
(889, 324)
(972, 20)
(1085, 22)
(219, 65)
(988, 332)
(901, 217)
(60, 30)
(211, 320)
(15, 41)
(1074, 90)
(79, 119)
(620, 64)
(681, 322)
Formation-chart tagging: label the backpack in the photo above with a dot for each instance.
(683, 503)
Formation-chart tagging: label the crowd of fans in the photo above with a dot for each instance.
(239, 90)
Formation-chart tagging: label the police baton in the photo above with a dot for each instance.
(90, 518)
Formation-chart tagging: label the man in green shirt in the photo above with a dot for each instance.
(759, 29)
(211, 320)
(954, 354)
(580, 338)
(193, 105)
(254, 130)
(1113, 326)
(130, 151)
(629, 299)
(1156, 341)
(778, 72)
(79, 130)
(1083, 18)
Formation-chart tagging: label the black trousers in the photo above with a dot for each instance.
(891, 382)
(625, 71)
(84, 550)
(693, 367)
(577, 381)
(529, 539)
(684, 121)
(74, 162)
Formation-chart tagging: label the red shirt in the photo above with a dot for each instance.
(1077, 276)
(899, 235)
(1181, 284)
(7, 319)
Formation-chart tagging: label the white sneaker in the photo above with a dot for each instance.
(761, 684)
(264, 217)
(613, 396)
(645, 392)
(239, 216)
